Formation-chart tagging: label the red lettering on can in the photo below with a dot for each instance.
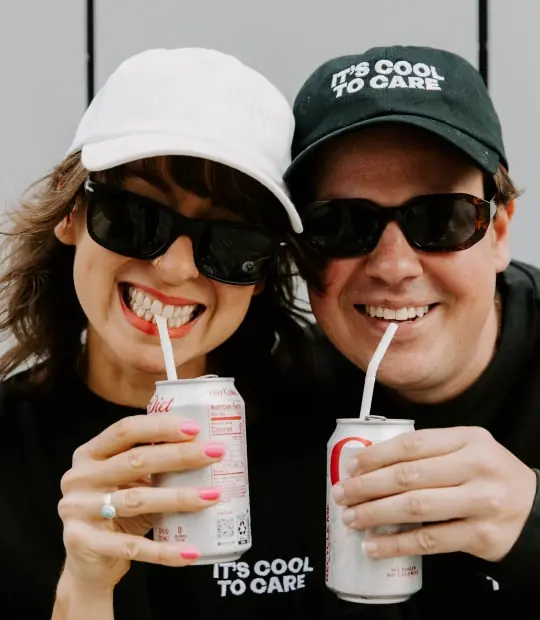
(158, 404)
(336, 454)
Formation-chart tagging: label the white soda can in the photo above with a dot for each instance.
(222, 532)
(349, 572)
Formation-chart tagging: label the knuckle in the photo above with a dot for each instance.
(135, 459)
(479, 434)
(69, 507)
(188, 455)
(180, 498)
(411, 443)
(80, 454)
(485, 534)
(407, 474)
(74, 536)
(397, 546)
(365, 516)
(123, 428)
(130, 550)
(493, 499)
(485, 466)
(416, 506)
(353, 486)
(69, 481)
(65, 508)
(426, 541)
(163, 556)
(133, 499)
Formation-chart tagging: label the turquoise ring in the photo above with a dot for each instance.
(108, 511)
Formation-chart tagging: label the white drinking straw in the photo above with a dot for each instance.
(373, 366)
(166, 347)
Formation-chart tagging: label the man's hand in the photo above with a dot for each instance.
(472, 492)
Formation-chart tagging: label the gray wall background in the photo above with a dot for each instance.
(44, 65)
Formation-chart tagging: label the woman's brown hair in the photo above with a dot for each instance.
(40, 306)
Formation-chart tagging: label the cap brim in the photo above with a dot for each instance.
(118, 151)
(487, 159)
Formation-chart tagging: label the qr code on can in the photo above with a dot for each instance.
(225, 528)
(242, 526)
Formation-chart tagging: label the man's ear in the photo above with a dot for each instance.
(259, 288)
(510, 208)
(501, 233)
(65, 231)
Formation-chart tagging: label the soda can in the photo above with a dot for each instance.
(349, 572)
(222, 532)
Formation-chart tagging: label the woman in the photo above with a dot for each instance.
(170, 201)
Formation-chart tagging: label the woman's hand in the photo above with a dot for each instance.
(119, 462)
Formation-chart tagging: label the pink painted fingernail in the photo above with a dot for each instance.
(209, 495)
(214, 450)
(190, 553)
(190, 428)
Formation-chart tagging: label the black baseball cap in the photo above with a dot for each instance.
(430, 88)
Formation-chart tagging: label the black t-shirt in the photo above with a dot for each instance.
(505, 401)
(282, 575)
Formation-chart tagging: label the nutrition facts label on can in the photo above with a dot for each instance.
(227, 427)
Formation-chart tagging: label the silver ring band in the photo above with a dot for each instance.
(108, 511)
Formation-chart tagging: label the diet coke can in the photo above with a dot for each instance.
(349, 572)
(222, 532)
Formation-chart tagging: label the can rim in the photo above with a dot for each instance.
(373, 421)
(203, 379)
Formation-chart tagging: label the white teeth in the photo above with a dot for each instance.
(156, 307)
(402, 314)
(397, 314)
(148, 308)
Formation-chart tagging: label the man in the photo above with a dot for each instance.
(401, 178)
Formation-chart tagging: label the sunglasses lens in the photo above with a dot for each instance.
(351, 227)
(122, 223)
(341, 228)
(444, 225)
(234, 255)
(126, 224)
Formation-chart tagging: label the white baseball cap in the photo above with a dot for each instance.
(196, 102)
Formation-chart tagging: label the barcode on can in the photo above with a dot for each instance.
(225, 528)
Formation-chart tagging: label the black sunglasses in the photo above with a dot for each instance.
(347, 227)
(138, 227)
